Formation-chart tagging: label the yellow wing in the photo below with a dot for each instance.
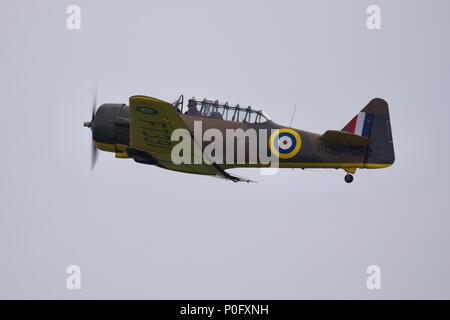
(152, 122)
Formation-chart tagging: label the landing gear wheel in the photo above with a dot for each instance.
(348, 178)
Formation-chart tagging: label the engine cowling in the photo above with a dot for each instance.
(111, 128)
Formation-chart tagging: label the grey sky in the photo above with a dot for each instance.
(137, 231)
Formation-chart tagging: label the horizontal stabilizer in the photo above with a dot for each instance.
(345, 138)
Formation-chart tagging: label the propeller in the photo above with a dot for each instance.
(90, 124)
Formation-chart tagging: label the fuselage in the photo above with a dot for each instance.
(111, 133)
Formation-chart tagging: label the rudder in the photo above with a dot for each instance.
(373, 122)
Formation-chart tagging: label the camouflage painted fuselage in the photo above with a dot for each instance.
(112, 133)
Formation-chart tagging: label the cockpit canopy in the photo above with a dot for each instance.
(223, 111)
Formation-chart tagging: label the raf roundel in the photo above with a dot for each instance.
(285, 143)
(146, 110)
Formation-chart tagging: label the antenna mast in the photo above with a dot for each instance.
(292, 118)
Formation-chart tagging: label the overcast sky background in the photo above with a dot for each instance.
(138, 231)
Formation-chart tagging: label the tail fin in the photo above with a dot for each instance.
(373, 122)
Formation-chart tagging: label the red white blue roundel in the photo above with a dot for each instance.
(285, 143)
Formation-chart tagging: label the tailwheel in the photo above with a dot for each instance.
(348, 178)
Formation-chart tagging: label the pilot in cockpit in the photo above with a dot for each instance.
(215, 114)
(192, 107)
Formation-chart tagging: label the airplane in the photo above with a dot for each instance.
(143, 131)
